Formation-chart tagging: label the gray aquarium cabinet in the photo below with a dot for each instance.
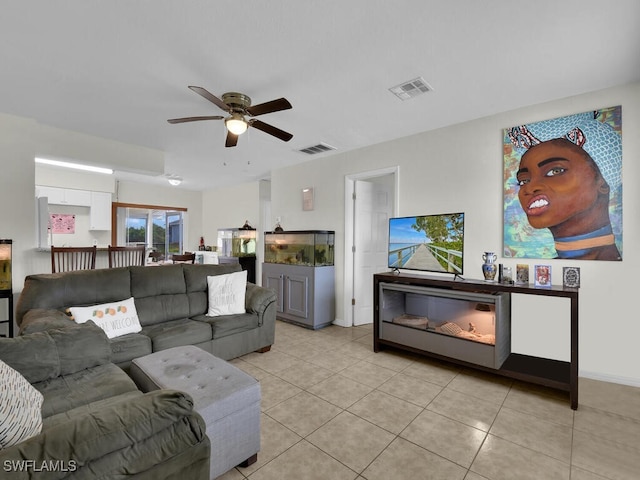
(299, 268)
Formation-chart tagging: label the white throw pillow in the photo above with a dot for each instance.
(226, 293)
(20, 407)
(116, 319)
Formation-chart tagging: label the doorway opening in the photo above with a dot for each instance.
(370, 199)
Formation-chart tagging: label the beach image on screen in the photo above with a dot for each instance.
(432, 243)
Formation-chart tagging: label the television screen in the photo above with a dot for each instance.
(432, 243)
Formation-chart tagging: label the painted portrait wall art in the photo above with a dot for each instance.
(563, 187)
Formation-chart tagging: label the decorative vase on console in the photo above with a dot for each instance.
(489, 267)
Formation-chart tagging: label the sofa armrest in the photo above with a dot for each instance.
(54, 352)
(41, 319)
(257, 299)
(123, 439)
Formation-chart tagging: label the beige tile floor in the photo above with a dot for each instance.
(334, 409)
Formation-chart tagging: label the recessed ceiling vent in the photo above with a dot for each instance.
(411, 89)
(319, 148)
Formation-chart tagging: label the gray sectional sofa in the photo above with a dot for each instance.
(171, 302)
(96, 424)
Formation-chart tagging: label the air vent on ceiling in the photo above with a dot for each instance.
(411, 89)
(319, 148)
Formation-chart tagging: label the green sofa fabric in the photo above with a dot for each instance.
(95, 420)
(176, 333)
(82, 387)
(96, 423)
(127, 438)
(59, 351)
(171, 302)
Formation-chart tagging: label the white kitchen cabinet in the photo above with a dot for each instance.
(100, 213)
(65, 196)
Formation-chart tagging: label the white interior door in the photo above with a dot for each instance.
(373, 205)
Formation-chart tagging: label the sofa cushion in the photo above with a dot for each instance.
(229, 324)
(116, 318)
(20, 404)
(88, 408)
(81, 388)
(43, 355)
(162, 308)
(227, 293)
(196, 282)
(79, 288)
(127, 347)
(177, 333)
(150, 282)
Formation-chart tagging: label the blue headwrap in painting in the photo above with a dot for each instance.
(598, 139)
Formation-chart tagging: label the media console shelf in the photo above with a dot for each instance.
(405, 307)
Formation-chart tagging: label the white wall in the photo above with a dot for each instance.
(79, 180)
(22, 139)
(50, 142)
(17, 192)
(230, 208)
(459, 168)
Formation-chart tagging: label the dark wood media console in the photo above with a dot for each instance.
(542, 371)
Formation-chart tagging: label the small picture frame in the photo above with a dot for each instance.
(307, 198)
(507, 275)
(571, 277)
(522, 274)
(542, 276)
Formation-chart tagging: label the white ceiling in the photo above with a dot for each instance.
(119, 69)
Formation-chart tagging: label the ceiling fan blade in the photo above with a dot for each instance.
(211, 97)
(232, 140)
(194, 119)
(271, 130)
(268, 107)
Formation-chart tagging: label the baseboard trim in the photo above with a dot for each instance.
(632, 382)
(340, 322)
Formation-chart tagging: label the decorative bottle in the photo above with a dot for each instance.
(489, 267)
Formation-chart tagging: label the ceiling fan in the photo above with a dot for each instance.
(238, 106)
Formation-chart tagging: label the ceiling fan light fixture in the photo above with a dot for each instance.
(238, 106)
(174, 180)
(236, 124)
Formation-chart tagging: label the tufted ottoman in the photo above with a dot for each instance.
(226, 397)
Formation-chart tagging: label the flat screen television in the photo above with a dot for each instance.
(430, 243)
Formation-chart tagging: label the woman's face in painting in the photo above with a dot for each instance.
(559, 181)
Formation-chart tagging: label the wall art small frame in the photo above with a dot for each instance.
(542, 275)
(62, 223)
(571, 277)
(522, 274)
(307, 199)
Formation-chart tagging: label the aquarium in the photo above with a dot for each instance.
(236, 242)
(306, 247)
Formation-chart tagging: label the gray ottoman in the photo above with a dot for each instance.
(227, 398)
